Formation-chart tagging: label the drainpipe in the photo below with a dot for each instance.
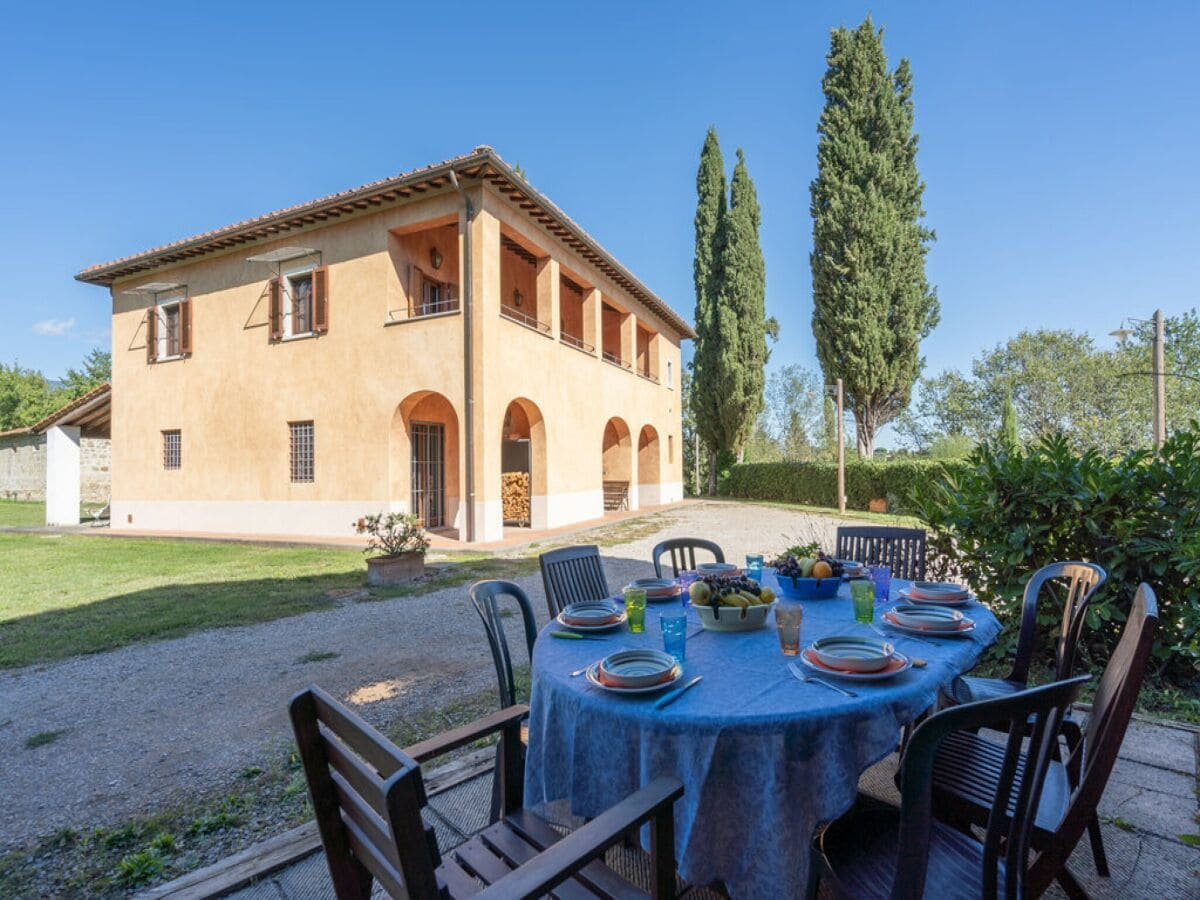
(468, 359)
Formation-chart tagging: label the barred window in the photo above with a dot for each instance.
(172, 449)
(302, 451)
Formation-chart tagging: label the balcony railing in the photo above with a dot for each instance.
(515, 315)
(645, 373)
(615, 359)
(424, 310)
(577, 342)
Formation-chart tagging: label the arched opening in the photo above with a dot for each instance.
(425, 459)
(649, 456)
(523, 465)
(616, 464)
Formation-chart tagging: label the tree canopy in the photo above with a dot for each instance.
(871, 302)
(27, 396)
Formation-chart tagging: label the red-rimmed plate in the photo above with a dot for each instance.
(964, 626)
(897, 664)
(594, 677)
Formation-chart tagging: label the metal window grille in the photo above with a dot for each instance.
(302, 451)
(429, 473)
(172, 449)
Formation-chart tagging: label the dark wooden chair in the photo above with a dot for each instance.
(969, 766)
(1073, 584)
(487, 597)
(683, 554)
(368, 796)
(877, 850)
(901, 548)
(572, 574)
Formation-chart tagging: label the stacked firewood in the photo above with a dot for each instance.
(514, 496)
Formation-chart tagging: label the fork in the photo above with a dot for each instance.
(808, 679)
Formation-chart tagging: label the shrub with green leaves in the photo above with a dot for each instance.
(815, 483)
(1005, 514)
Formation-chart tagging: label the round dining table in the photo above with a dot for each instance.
(764, 757)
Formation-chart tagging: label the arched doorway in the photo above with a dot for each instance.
(523, 465)
(616, 464)
(425, 460)
(649, 457)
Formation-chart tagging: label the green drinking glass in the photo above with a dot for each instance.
(863, 594)
(635, 609)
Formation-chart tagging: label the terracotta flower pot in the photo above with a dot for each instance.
(396, 569)
(878, 505)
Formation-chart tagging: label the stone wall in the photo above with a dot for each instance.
(23, 468)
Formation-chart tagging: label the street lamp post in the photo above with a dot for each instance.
(836, 390)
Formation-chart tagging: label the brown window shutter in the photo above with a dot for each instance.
(415, 300)
(320, 290)
(185, 326)
(275, 311)
(152, 334)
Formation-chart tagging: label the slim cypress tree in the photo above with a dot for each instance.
(871, 302)
(742, 297)
(706, 272)
(1010, 436)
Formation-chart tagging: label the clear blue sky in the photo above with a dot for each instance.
(1059, 142)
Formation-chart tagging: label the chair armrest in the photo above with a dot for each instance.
(563, 859)
(451, 740)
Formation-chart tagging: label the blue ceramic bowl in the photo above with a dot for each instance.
(807, 588)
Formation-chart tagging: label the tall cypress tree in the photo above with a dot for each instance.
(871, 302)
(1010, 435)
(706, 272)
(742, 297)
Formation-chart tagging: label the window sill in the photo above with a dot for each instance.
(299, 337)
(163, 359)
(424, 318)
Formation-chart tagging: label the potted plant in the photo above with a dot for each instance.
(398, 544)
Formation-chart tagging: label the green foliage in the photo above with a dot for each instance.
(1010, 434)
(871, 302)
(95, 371)
(139, 868)
(42, 738)
(951, 446)
(393, 533)
(25, 397)
(1061, 382)
(1001, 516)
(815, 483)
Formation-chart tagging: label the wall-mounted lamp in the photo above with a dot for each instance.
(518, 297)
(435, 257)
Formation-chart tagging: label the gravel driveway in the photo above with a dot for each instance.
(151, 723)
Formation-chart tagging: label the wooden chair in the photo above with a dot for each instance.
(572, 574)
(683, 554)
(901, 548)
(877, 850)
(1078, 583)
(486, 597)
(968, 766)
(368, 796)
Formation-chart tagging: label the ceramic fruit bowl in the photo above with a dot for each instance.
(807, 588)
(733, 618)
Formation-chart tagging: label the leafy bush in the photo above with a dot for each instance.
(1004, 515)
(815, 483)
(138, 868)
(393, 533)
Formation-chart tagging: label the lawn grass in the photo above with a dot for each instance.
(22, 514)
(67, 595)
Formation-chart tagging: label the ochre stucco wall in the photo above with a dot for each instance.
(233, 398)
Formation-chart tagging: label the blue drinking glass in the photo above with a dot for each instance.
(674, 632)
(754, 566)
(881, 576)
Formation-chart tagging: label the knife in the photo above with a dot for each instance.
(574, 636)
(676, 694)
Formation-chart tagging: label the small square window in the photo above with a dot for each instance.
(302, 451)
(300, 290)
(172, 449)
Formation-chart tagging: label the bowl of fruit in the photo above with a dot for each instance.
(808, 577)
(731, 604)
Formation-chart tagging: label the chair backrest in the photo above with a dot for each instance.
(486, 597)
(1073, 584)
(1112, 708)
(1006, 837)
(901, 548)
(367, 797)
(683, 554)
(572, 574)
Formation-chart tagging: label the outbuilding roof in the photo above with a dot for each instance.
(91, 410)
(482, 164)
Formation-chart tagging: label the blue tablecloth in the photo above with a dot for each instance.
(764, 758)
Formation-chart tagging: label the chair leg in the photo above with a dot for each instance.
(1070, 885)
(814, 879)
(662, 855)
(1099, 857)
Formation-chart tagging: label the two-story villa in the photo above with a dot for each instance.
(398, 346)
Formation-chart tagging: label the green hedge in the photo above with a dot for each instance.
(815, 483)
